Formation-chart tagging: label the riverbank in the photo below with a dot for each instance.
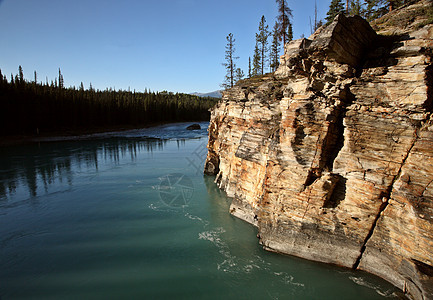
(75, 134)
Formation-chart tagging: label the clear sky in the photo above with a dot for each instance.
(174, 45)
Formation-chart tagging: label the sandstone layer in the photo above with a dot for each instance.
(331, 157)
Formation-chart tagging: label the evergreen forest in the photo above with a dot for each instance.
(29, 107)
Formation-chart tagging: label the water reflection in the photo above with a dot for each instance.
(41, 165)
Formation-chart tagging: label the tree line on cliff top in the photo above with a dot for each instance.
(368, 9)
(266, 57)
(32, 107)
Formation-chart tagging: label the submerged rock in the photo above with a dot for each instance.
(331, 157)
(194, 127)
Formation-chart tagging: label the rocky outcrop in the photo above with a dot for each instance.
(331, 157)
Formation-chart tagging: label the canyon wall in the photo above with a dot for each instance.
(331, 157)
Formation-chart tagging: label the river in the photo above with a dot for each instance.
(131, 216)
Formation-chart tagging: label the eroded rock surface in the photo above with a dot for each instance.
(331, 157)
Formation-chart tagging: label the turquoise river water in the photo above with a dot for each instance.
(131, 216)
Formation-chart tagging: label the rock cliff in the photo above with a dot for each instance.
(331, 157)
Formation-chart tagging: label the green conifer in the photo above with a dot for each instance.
(336, 7)
(239, 74)
(256, 59)
(283, 20)
(290, 32)
(61, 82)
(262, 42)
(230, 64)
(275, 49)
(21, 75)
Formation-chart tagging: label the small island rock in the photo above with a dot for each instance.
(194, 127)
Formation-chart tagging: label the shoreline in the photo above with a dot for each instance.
(74, 134)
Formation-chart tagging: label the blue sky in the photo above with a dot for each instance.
(174, 45)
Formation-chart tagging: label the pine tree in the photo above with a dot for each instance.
(262, 42)
(249, 67)
(21, 75)
(336, 7)
(283, 19)
(61, 82)
(36, 77)
(239, 74)
(256, 59)
(275, 49)
(290, 33)
(230, 64)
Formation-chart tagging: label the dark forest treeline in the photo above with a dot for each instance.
(31, 108)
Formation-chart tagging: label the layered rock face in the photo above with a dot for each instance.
(331, 157)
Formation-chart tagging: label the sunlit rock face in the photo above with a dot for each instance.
(331, 157)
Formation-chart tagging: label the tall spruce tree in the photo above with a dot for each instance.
(249, 67)
(256, 59)
(336, 7)
(230, 64)
(275, 49)
(283, 20)
(20, 75)
(61, 82)
(290, 33)
(262, 42)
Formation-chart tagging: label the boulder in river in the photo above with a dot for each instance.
(194, 127)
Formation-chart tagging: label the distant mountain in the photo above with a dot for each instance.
(214, 94)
